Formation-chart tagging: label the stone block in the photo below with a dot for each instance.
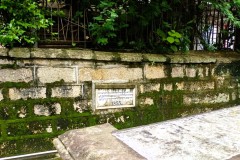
(61, 53)
(207, 71)
(57, 108)
(67, 91)
(47, 53)
(1, 96)
(191, 72)
(19, 53)
(234, 96)
(200, 72)
(53, 74)
(80, 54)
(44, 110)
(154, 58)
(177, 71)
(22, 112)
(206, 98)
(180, 85)
(187, 58)
(200, 85)
(168, 87)
(148, 101)
(25, 93)
(130, 57)
(41, 110)
(3, 51)
(121, 73)
(106, 56)
(6, 61)
(16, 75)
(150, 87)
(154, 72)
(80, 106)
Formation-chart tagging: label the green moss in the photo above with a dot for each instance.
(24, 146)
(116, 57)
(10, 66)
(51, 85)
(15, 85)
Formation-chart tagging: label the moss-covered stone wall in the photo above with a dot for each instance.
(45, 92)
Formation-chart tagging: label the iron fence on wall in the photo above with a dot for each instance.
(205, 27)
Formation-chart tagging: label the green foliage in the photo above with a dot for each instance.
(105, 24)
(21, 19)
(228, 8)
(171, 40)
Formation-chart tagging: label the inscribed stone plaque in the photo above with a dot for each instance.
(114, 97)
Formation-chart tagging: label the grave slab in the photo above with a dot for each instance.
(209, 136)
(93, 143)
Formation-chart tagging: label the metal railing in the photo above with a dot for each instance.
(31, 156)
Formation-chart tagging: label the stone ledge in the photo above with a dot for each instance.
(3, 52)
(93, 143)
(86, 54)
(19, 53)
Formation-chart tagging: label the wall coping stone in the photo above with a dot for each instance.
(19, 53)
(86, 54)
(4, 52)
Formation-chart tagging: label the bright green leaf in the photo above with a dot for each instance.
(170, 39)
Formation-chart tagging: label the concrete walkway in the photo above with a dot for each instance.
(210, 136)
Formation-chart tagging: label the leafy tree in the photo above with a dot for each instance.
(106, 24)
(19, 22)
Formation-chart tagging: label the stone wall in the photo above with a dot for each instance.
(44, 92)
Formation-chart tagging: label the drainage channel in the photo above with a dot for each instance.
(31, 156)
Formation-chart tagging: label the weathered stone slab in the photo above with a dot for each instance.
(43, 110)
(106, 56)
(80, 106)
(19, 53)
(47, 53)
(149, 87)
(154, 58)
(6, 61)
(168, 87)
(80, 54)
(130, 57)
(3, 51)
(178, 71)
(214, 135)
(62, 53)
(198, 85)
(53, 74)
(191, 72)
(93, 143)
(121, 73)
(207, 98)
(16, 75)
(67, 91)
(25, 93)
(154, 72)
(183, 58)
